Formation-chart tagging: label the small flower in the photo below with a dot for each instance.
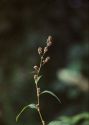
(35, 67)
(45, 49)
(49, 41)
(39, 50)
(49, 44)
(46, 60)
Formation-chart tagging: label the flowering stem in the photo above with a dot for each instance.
(43, 60)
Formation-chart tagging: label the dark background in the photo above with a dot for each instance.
(24, 26)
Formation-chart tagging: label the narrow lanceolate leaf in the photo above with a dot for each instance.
(38, 78)
(32, 106)
(51, 93)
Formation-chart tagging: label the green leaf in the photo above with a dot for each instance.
(72, 120)
(38, 78)
(32, 106)
(55, 123)
(51, 93)
(79, 117)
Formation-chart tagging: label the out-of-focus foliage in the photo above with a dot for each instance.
(81, 119)
(24, 26)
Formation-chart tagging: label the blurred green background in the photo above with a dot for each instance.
(24, 26)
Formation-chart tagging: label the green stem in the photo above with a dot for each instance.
(38, 95)
(38, 105)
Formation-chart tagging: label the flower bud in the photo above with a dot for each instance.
(45, 49)
(49, 39)
(35, 67)
(49, 44)
(46, 60)
(40, 50)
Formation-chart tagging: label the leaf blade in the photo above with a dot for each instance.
(32, 106)
(51, 93)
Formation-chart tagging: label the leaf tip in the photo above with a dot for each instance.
(17, 117)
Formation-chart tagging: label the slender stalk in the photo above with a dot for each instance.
(38, 105)
(38, 95)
